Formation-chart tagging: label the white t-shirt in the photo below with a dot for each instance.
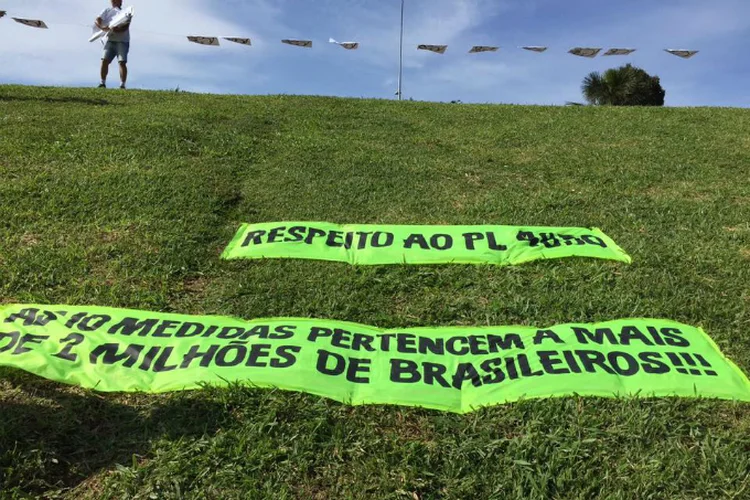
(106, 16)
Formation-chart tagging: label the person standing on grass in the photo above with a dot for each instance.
(118, 43)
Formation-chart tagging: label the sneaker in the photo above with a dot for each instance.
(122, 86)
(102, 86)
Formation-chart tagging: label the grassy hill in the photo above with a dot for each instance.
(126, 199)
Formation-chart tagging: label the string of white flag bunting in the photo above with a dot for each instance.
(215, 41)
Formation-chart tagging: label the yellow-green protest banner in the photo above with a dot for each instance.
(455, 369)
(372, 244)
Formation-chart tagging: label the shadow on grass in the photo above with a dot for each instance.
(67, 100)
(53, 437)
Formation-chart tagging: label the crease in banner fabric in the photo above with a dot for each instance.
(371, 244)
(456, 369)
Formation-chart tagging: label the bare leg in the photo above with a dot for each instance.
(105, 70)
(123, 72)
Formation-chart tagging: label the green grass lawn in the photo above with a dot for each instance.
(127, 199)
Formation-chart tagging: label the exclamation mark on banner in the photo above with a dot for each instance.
(706, 364)
(679, 363)
(691, 362)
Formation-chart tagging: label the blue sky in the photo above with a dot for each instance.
(161, 58)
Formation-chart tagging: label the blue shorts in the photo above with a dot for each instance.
(119, 49)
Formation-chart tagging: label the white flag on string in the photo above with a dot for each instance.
(346, 45)
(685, 54)
(476, 49)
(34, 23)
(204, 40)
(438, 49)
(585, 51)
(241, 41)
(619, 52)
(534, 48)
(298, 43)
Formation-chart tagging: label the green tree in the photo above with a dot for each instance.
(623, 86)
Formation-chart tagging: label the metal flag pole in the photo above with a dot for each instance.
(401, 53)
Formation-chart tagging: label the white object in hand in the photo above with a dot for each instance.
(123, 17)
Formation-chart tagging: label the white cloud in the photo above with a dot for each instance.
(437, 22)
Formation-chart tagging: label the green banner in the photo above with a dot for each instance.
(455, 369)
(366, 244)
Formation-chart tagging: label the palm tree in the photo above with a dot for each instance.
(623, 86)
